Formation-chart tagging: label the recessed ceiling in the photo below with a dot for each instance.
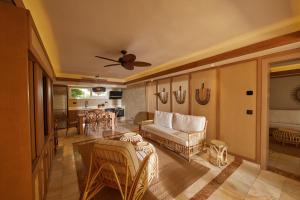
(156, 31)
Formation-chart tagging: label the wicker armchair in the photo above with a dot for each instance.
(115, 164)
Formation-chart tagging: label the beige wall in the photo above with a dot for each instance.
(209, 78)
(134, 100)
(164, 83)
(182, 81)
(226, 110)
(151, 96)
(281, 90)
(237, 128)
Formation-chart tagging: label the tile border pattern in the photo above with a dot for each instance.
(213, 185)
(284, 173)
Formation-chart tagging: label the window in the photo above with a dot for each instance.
(80, 93)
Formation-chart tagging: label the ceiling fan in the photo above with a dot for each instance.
(127, 61)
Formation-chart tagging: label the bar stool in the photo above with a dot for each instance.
(90, 121)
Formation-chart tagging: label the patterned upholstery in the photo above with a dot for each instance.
(115, 164)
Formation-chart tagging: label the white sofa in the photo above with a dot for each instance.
(289, 119)
(184, 134)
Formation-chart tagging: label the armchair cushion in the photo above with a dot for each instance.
(188, 123)
(115, 151)
(163, 119)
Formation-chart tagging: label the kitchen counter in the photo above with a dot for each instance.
(94, 107)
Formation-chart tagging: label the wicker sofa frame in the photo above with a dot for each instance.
(185, 151)
(287, 136)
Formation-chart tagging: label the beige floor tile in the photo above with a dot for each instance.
(290, 190)
(198, 185)
(239, 183)
(70, 190)
(285, 162)
(267, 186)
(247, 182)
(225, 194)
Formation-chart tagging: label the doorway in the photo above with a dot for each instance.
(278, 152)
(284, 116)
(60, 106)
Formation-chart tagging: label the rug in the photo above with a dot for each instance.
(175, 174)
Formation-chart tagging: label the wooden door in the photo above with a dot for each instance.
(49, 97)
(39, 108)
(31, 106)
(238, 109)
(38, 181)
(15, 154)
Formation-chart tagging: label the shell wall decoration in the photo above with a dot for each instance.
(180, 96)
(202, 95)
(163, 96)
(296, 94)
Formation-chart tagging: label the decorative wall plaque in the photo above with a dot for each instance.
(180, 96)
(163, 96)
(296, 94)
(202, 95)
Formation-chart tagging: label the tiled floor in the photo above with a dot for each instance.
(247, 182)
(63, 178)
(285, 162)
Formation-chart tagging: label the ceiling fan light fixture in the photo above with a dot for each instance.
(127, 61)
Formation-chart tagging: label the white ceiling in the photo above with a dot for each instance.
(157, 31)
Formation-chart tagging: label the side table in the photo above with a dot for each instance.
(218, 153)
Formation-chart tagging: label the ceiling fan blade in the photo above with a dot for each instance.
(129, 58)
(141, 64)
(111, 65)
(128, 65)
(107, 59)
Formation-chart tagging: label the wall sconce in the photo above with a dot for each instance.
(180, 96)
(163, 96)
(202, 95)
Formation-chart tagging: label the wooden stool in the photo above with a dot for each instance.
(218, 153)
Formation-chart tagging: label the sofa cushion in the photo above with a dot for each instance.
(163, 119)
(188, 123)
(172, 134)
(285, 119)
(157, 128)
